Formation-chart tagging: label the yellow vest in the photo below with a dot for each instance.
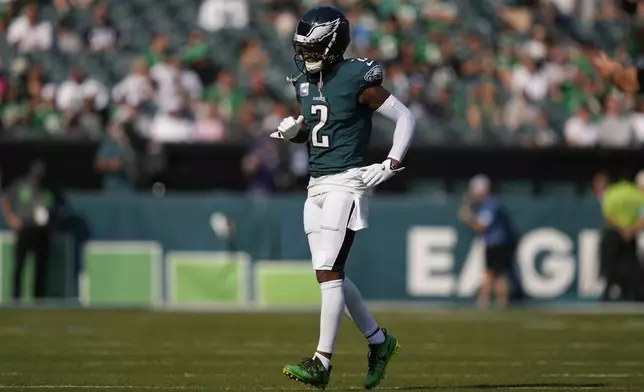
(623, 203)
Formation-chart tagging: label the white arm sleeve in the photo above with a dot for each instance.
(395, 110)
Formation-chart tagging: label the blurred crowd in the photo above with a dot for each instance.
(512, 72)
(170, 94)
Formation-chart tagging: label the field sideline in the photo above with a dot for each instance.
(442, 350)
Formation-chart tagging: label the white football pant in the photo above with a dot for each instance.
(330, 222)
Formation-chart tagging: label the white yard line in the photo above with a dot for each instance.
(592, 375)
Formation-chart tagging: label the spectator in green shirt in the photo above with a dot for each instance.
(623, 210)
(226, 93)
(158, 49)
(47, 121)
(15, 110)
(197, 57)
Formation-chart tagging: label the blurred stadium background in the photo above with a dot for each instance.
(151, 118)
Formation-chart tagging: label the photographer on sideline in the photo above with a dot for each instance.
(484, 213)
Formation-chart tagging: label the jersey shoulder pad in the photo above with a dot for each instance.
(368, 72)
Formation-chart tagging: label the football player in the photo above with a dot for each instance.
(337, 99)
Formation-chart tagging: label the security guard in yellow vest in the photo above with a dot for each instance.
(28, 208)
(623, 211)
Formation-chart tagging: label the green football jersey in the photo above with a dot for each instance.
(339, 126)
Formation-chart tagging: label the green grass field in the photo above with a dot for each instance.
(79, 350)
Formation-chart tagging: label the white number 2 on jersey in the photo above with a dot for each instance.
(318, 140)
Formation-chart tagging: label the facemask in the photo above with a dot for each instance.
(313, 67)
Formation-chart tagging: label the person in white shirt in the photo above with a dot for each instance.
(578, 130)
(102, 36)
(529, 86)
(67, 40)
(637, 121)
(558, 69)
(536, 47)
(69, 95)
(218, 14)
(27, 34)
(176, 83)
(530, 81)
(614, 129)
(136, 88)
(170, 126)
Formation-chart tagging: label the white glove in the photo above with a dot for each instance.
(290, 127)
(378, 173)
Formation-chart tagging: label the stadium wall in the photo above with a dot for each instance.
(196, 167)
(154, 251)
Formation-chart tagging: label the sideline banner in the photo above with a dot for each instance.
(414, 249)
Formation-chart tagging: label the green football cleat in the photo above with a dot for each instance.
(379, 357)
(310, 371)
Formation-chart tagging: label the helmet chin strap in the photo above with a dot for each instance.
(320, 83)
(315, 67)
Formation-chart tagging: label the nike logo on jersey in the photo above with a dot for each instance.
(364, 60)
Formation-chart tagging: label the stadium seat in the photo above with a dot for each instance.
(498, 135)
(611, 33)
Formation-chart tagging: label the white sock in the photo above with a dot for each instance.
(325, 361)
(357, 311)
(331, 314)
